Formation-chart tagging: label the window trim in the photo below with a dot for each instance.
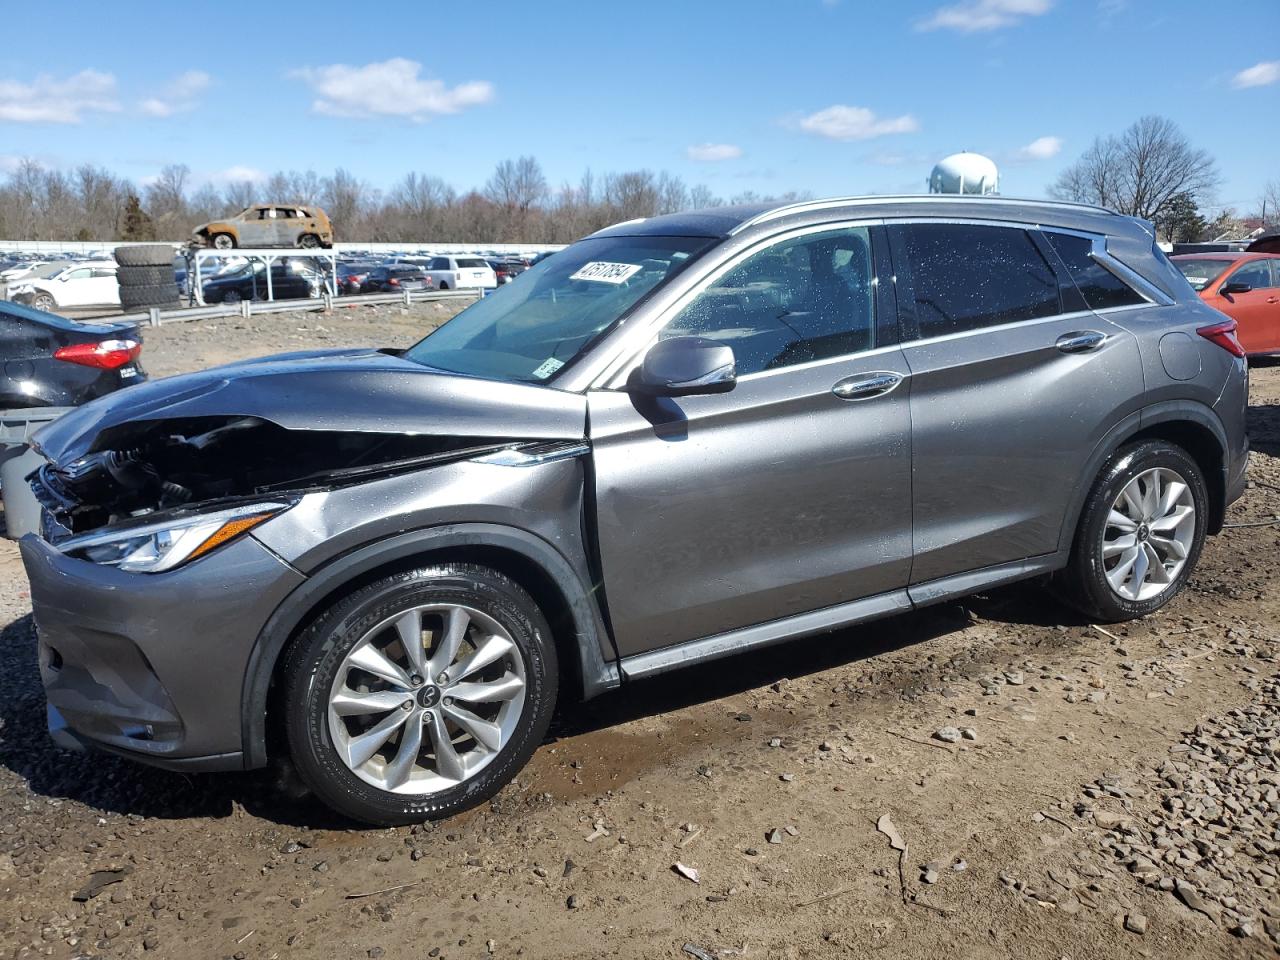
(615, 373)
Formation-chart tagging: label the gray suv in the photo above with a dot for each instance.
(678, 439)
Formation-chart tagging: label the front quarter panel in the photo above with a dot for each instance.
(545, 500)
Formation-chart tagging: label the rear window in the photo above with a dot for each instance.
(1100, 287)
(965, 277)
(472, 264)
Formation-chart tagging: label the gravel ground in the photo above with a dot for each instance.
(1105, 793)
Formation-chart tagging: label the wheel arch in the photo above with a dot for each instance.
(576, 624)
(1184, 423)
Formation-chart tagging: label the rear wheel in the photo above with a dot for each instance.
(444, 285)
(1140, 534)
(419, 695)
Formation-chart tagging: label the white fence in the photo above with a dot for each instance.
(107, 247)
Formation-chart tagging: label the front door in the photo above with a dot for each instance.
(1257, 311)
(788, 494)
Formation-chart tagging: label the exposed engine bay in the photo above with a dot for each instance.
(141, 467)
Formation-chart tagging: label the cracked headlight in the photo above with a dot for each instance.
(163, 545)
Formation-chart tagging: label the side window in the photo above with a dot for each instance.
(82, 274)
(1256, 274)
(809, 298)
(103, 272)
(439, 263)
(965, 277)
(1099, 286)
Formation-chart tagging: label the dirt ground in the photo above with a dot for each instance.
(1112, 792)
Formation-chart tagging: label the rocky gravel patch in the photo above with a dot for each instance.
(1204, 824)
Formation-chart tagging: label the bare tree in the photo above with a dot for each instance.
(1269, 203)
(517, 185)
(239, 195)
(343, 196)
(1140, 171)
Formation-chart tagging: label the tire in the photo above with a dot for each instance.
(44, 301)
(499, 618)
(223, 241)
(152, 295)
(145, 255)
(1157, 536)
(309, 241)
(231, 296)
(145, 276)
(444, 285)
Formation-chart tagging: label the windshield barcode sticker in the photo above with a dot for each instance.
(548, 368)
(602, 272)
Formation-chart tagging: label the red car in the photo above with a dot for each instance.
(1244, 286)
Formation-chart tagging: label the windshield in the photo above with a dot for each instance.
(1201, 273)
(527, 331)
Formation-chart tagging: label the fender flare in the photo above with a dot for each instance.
(589, 629)
(1168, 411)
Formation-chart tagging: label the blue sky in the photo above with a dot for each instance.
(824, 96)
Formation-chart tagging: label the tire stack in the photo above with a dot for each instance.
(146, 277)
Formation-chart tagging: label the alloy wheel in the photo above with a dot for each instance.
(427, 699)
(1149, 534)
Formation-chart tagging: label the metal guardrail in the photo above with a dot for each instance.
(156, 316)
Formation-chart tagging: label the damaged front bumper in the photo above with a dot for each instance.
(153, 665)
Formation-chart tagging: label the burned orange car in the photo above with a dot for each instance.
(268, 225)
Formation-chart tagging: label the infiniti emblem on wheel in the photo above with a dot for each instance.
(1143, 532)
(428, 696)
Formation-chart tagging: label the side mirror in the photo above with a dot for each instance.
(1234, 286)
(685, 366)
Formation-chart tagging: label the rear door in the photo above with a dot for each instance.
(788, 494)
(1011, 390)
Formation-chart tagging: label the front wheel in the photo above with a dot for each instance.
(224, 241)
(45, 302)
(419, 695)
(309, 241)
(1140, 534)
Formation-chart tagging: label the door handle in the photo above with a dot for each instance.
(1081, 341)
(866, 386)
(1273, 299)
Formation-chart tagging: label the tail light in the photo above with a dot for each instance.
(393, 282)
(105, 354)
(1224, 335)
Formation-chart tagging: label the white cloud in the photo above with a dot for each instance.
(840, 122)
(180, 95)
(47, 99)
(709, 152)
(392, 88)
(1041, 148)
(237, 174)
(1259, 75)
(977, 16)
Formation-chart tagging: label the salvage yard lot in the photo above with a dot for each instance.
(1106, 802)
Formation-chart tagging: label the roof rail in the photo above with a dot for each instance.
(803, 205)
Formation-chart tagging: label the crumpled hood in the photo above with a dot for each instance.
(358, 390)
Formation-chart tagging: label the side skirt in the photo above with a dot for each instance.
(654, 662)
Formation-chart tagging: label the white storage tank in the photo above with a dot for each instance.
(965, 172)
